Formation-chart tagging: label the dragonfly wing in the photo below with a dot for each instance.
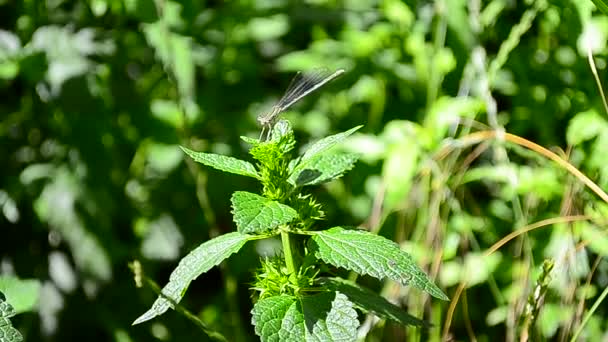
(302, 84)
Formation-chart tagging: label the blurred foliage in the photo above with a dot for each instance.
(98, 94)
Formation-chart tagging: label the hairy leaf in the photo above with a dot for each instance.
(369, 301)
(324, 144)
(7, 332)
(257, 214)
(199, 261)
(367, 253)
(323, 168)
(223, 163)
(328, 316)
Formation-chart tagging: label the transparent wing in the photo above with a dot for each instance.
(304, 83)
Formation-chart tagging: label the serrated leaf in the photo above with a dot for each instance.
(367, 253)
(282, 130)
(326, 143)
(278, 318)
(7, 332)
(328, 316)
(323, 168)
(369, 301)
(199, 261)
(23, 294)
(257, 214)
(283, 137)
(223, 163)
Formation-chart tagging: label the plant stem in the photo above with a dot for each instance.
(287, 252)
(597, 303)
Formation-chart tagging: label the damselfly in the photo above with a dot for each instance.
(302, 84)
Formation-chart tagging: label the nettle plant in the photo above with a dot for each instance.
(297, 298)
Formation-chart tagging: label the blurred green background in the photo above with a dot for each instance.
(97, 95)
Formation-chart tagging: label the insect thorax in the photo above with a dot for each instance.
(268, 118)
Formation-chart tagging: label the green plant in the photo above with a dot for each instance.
(297, 300)
(7, 332)
(16, 296)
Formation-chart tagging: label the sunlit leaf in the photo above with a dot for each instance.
(328, 316)
(223, 163)
(323, 168)
(255, 214)
(197, 262)
(7, 332)
(22, 294)
(326, 143)
(367, 253)
(369, 301)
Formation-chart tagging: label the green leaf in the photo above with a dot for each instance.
(268, 27)
(7, 332)
(447, 111)
(398, 171)
(257, 214)
(174, 50)
(541, 182)
(199, 261)
(23, 294)
(161, 236)
(367, 253)
(476, 269)
(250, 141)
(328, 316)
(168, 112)
(596, 237)
(223, 163)
(60, 205)
(163, 158)
(458, 22)
(323, 168)
(585, 126)
(278, 318)
(370, 147)
(369, 301)
(70, 59)
(282, 134)
(324, 144)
